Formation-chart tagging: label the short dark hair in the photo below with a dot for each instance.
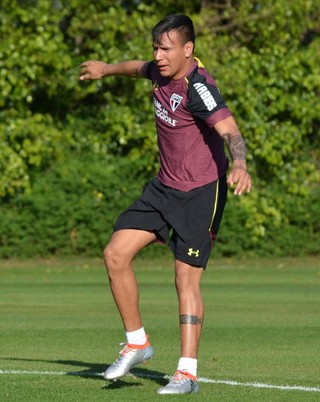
(179, 22)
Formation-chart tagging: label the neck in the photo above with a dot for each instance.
(185, 70)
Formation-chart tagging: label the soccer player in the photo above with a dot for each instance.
(183, 205)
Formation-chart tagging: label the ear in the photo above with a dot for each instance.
(188, 49)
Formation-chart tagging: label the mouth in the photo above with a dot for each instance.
(163, 68)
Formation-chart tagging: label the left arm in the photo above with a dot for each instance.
(238, 176)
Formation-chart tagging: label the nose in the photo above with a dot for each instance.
(157, 54)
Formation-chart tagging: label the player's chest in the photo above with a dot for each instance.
(170, 105)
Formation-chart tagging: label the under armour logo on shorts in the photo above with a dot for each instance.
(193, 252)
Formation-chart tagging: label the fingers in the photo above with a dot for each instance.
(242, 187)
(90, 70)
(241, 179)
(93, 70)
(85, 76)
(85, 73)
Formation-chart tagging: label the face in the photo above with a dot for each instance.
(172, 56)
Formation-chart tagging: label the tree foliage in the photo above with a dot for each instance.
(264, 56)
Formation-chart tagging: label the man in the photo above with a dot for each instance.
(183, 205)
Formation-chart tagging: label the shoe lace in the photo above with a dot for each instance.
(122, 354)
(178, 378)
(125, 350)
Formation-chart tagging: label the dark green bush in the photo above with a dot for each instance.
(71, 209)
(73, 206)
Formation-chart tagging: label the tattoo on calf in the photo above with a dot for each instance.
(190, 319)
(236, 145)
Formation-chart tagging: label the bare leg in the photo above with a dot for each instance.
(118, 257)
(191, 307)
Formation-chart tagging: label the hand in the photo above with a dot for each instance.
(240, 178)
(92, 70)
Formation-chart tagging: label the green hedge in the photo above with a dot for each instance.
(73, 206)
(295, 233)
(71, 209)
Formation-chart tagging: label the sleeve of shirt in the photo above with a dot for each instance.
(206, 102)
(147, 69)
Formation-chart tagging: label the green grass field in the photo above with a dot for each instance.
(59, 329)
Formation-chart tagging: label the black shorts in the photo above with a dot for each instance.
(187, 221)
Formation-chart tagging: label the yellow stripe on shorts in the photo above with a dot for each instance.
(215, 205)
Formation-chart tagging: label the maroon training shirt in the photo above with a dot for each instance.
(191, 151)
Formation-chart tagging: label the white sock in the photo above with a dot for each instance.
(188, 364)
(137, 337)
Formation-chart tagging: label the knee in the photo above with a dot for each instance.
(183, 284)
(115, 259)
(111, 258)
(186, 283)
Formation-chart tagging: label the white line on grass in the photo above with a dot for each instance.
(261, 385)
(143, 375)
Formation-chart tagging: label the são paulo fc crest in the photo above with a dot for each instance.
(175, 101)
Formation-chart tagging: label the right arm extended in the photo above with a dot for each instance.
(95, 69)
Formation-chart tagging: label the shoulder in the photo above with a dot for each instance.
(148, 69)
(204, 97)
(200, 74)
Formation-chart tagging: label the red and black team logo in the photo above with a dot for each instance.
(175, 101)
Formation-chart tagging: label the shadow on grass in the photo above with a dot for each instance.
(95, 371)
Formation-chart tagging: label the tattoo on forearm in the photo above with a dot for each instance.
(190, 319)
(236, 146)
